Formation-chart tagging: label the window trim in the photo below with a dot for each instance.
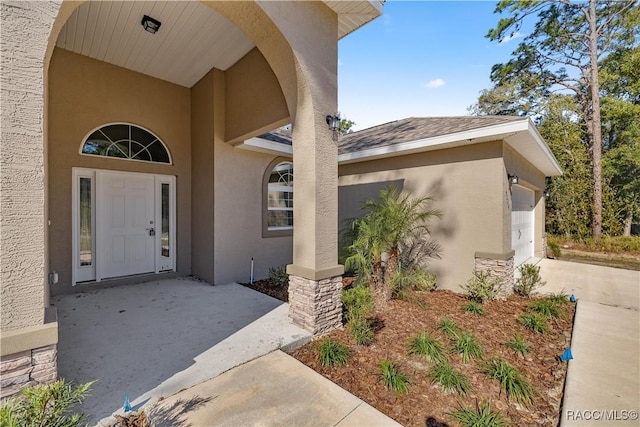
(266, 232)
(84, 141)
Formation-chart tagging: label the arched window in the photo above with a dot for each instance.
(126, 141)
(279, 198)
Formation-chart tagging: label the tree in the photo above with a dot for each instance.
(562, 53)
(393, 219)
(345, 126)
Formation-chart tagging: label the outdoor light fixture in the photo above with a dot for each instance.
(333, 122)
(513, 179)
(151, 25)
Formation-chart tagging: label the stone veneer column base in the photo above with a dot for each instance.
(503, 269)
(315, 305)
(30, 367)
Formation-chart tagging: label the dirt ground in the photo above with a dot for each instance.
(405, 319)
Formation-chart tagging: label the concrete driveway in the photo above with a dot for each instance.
(157, 338)
(603, 379)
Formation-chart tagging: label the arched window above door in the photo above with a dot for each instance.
(126, 141)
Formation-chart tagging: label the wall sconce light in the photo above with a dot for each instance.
(151, 25)
(333, 122)
(513, 179)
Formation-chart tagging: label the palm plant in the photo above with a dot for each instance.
(393, 219)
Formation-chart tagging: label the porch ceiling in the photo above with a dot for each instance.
(192, 39)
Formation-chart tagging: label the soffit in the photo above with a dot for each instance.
(354, 14)
(191, 41)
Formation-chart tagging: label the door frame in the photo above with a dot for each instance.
(532, 218)
(90, 274)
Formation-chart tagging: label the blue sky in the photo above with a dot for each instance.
(418, 59)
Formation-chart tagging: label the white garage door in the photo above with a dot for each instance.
(522, 223)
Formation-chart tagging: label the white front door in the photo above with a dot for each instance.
(522, 215)
(123, 224)
(126, 218)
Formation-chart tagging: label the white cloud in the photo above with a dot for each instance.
(515, 35)
(435, 83)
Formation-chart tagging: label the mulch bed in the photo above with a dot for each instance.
(405, 319)
(269, 288)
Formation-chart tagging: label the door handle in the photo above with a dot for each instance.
(152, 232)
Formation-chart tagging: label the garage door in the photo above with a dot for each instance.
(522, 223)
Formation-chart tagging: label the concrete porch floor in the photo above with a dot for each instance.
(155, 339)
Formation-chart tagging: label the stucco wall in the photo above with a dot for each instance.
(238, 217)
(85, 94)
(24, 36)
(254, 102)
(466, 185)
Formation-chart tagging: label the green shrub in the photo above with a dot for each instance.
(427, 346)
(511, 380)
(481, 287)
(474, 307)
(546, 308)
(278, 276)
(518, 345)
(404, 280)
(559, 298)
(449, 379)
(358, 303)
(482, 416)
(467, 345)
(393, 378)
(45, 405)
(332, 352)
(361, 331)
(529, 279)
(555, 249)
(534, 321)
(448, 327)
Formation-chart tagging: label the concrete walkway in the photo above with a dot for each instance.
(273, 390)
(155, 339)
(603, 379)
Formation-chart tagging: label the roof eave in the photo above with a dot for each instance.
(354, 14)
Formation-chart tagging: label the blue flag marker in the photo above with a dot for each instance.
(566, 355)
(572, 298)
(127, 404)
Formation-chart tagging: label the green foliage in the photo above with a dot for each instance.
(278, 276)
(468, 346)
(404, 280)
(392, 220)
(45, 405)
(345, 126)
(555, 249)
(427, 346)
(518, 345)
(482, 416)
(529, 279)
(393, 378)
(361, 331)
(614, 245)
(545, 307)
(332, 352)
(448, 327)
(559, 298)
(358, 303)
(481, 287)
(449, 379)
(474, 307)
(511, 380)
(534, 322)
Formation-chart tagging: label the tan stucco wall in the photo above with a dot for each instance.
(254, 102)
(25, 30)
(85, 94)
(533, 179)
(465, 183)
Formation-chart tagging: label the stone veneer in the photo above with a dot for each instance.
(30, 367)
(501, 269)
(315, 305)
